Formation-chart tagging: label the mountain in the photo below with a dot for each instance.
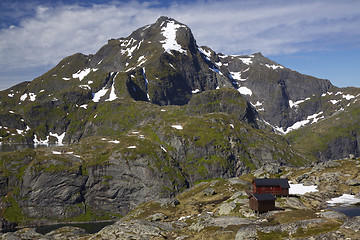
(151, 114)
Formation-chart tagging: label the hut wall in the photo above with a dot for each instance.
(267, 205)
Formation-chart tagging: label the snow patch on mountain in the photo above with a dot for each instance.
(206, 54)
(146, 85)
(23, 97)
(32, 97)
(112, 95)
(99, 94)
(215, 69)
(39, 141)
(60, 137)
(273, 66)
(141, 60)
(348, 96)
(327, 93)
(338, 93)
(83, 73)
(237, 76)
(85, 86)
(246, 60)
(310, 119)
(129, 46)
(244, 90)
(178, 127)
(257, 105)
(169, 32)
(196, 91)
(334, 101)
(293, 104)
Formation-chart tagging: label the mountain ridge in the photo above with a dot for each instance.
(212, 72)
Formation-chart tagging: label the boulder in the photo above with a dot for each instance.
(197, 226)
(272, 168)
(352, 223)
(168, 202)
(226, 208)
(241, 201)
(67, 232)
(294, 202)
(156, 217)
(209, 192)
(333, 214)
(238, 194)
(134, 229)
(353, 182)
(248, 232)
(292, 227)
(25, 233)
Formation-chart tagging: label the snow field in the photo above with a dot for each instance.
(345, 199)
(170, 43)
(300, 189)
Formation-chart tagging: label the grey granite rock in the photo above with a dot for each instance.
(226, 208)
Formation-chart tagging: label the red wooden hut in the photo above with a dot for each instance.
(276, 186)
(262, 202)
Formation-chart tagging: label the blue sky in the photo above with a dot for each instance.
(315, 37)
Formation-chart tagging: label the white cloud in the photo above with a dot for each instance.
(232, 27)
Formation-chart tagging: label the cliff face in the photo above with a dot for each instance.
(173, 149)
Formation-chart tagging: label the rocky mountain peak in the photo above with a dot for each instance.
(161, 63)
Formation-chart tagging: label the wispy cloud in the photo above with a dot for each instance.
(233, 27)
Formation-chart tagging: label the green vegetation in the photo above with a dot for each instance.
(89, 214)
(272, 235)
(14, 212)
(313, 140)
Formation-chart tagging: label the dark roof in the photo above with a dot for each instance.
(263, 196)
(283, 183)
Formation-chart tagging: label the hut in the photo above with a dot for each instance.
(275, 186)
(262, 202)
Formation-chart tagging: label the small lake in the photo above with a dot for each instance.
(5, 147)
(88, 227)
(350, 211)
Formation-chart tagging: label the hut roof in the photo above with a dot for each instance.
(283, 183)
(263, 196)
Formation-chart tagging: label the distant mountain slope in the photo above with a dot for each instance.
(335, 137)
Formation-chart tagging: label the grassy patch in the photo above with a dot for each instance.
(293, 216)
(13, 213)
(316, 229)
(272, 235)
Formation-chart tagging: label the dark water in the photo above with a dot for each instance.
(14, 147)
(350, 211)
(88, 227)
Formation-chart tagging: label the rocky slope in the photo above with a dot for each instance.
(177, 147)
(218, 209)
(152, 114)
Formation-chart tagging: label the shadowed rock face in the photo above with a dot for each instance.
(6, 226)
